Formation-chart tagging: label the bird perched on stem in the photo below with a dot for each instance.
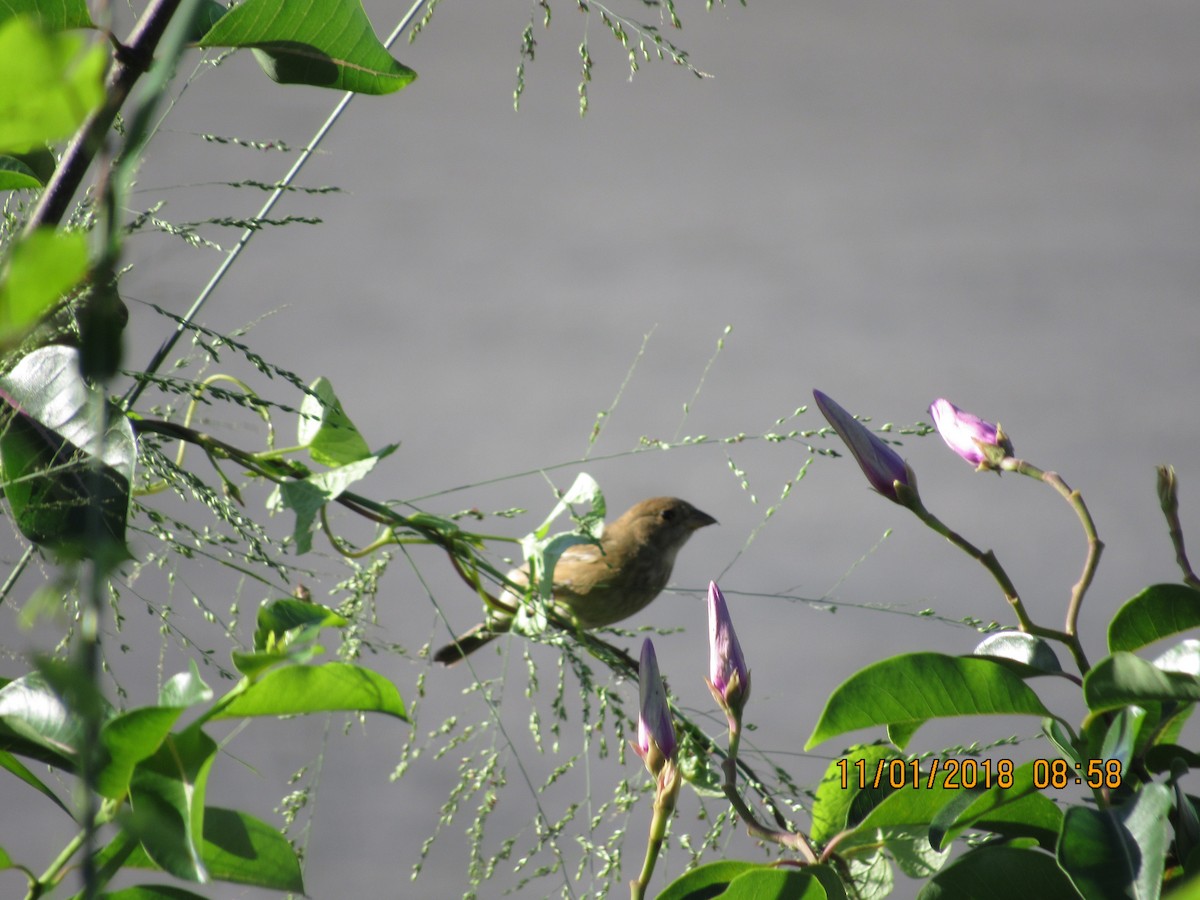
(601, 584)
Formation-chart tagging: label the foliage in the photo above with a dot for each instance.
(1132, 835)
(83, 471)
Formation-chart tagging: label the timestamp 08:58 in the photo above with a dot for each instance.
(952, 774)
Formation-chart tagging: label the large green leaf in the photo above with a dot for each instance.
(136, 734)
(1127, 680)
(1159, 611)
(17, 174)
(35, 711)
(327, 43)
(236, 848)
(67, 483)
(739, 880)
(240, 848)
(152, 892)
(1000, 873)
(48, 84)
(1118, 852)
(167, 793)
(1016, 811)
(775, 884)
(298, 690)
(17, 768)
(908, 690)
(846, 792)
(40, 269)
(52, 15)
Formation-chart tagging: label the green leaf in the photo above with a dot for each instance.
(305, 497)
(840, 790)
(52, 15)
(1159, 611)
(167, 794)
(185, 689)
(740, 880)
(40, 269)
(775, 884)
(1183, 657)
(1031, 654)
(17, 175)
(326, 430)
(1127, 680)
(129, 738)
(919, 686)
(46, 446)
(48, 84)
(872, 876)
(278, 617)
(242, 849)
(1000, 873)
(1017, 811)
(1118, 852)
(707, 880)
(152, 892)
(17, 768)
(326, 43)
(137, 734)
(35, 711)
(298, 690)
(237, 848)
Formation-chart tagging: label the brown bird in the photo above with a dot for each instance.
(598, 585)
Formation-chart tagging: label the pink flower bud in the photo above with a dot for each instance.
(980, 443)
(729, 678)
(656, 732)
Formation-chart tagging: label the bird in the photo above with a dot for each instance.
(602, 583)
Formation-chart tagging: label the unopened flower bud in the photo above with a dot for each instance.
(729, 678)
(885, 470)
(980, 443)
(656, 732)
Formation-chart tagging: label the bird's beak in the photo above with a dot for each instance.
(700, 519)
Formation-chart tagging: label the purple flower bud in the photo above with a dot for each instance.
(730, 680)
(980, 443)
(656, 732)
(882, 465)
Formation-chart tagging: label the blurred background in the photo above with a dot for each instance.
(892, 202)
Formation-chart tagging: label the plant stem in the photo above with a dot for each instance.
(131, 62)
(988, 560)
(1094, 548)
(792, 840)
(666, 792)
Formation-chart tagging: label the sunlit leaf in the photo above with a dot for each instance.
(917, 687)
(49, 83)
(326, 43)
(52, 15)
(167, 793)
(297, 690)
(1159, 611)
(326, 430)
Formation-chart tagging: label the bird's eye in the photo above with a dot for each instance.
(669, 514)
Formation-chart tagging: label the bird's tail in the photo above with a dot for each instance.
(464, 644)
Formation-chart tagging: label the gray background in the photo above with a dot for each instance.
(997, 203)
